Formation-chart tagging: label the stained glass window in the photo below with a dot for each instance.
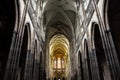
(59, 63)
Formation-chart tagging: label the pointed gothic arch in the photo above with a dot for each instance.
(8, 20)
(26, 43)
(112, 22)
(87, 69)
(103, 67)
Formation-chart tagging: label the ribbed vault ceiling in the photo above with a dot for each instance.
(59, 46)
(59, 18)
(63, 11)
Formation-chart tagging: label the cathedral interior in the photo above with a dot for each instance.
(59, 40)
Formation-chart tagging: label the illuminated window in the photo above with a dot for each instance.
(59, 63)
(55, 63)
(63, 65)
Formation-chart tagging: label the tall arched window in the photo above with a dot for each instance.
(63, 63)
(59, 63)
(55, 63)
(104, 70)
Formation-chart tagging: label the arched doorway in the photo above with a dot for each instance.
(113, 14)
(7, 23)
(22, 60)
(104, 70)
